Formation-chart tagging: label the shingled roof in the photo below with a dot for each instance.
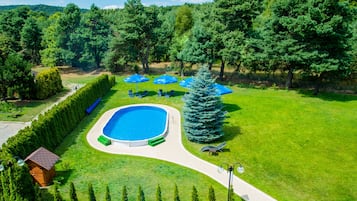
(43, 158)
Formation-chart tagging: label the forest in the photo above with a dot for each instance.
(314, 40)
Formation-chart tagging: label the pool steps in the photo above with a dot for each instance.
(156, 141)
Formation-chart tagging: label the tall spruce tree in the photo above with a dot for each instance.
(202, 111)
(194, 195)
(141, 195)
(124, 194)
(158, 193)
(72, 192)
(57, 196)
(211, 194)
(91, 193)
(176, 194)
(107, 194)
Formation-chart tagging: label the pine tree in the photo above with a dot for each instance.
(194, 195)
(141, 196)
(211, 194)
(91, 193)
(158, 193)
(72, 192)
(57, 196)
(107, 194)
(176, 194)
(124, 196)
(38, 195)
(202, 112)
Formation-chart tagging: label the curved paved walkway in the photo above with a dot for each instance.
(173, 151)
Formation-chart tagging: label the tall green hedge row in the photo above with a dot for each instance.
(47, 83)
(52, 127)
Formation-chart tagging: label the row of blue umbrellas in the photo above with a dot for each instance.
(168, 79)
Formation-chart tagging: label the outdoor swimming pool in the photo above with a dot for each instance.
(135, 125)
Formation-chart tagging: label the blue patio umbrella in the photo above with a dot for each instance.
(186, 82)
(136, 78)
(220, 89)
(165, 79)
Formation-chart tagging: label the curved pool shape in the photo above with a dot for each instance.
(135, 125)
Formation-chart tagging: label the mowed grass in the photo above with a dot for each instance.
(81, 164)
(27, 110)
(294, 146)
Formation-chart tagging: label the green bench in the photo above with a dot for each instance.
(156, 141)
(105, 141)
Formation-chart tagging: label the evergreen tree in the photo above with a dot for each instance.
(124, 194)
(141, 195)
(72, 192)
(91, 193)
(176, 194)
(194, 195)
(199, 47)
(16, 74)
(158, 193)
(95, 34)
(57, 196)
(107, 194)
(38, 194)
(232, 24)
(31, 36)
(184, 20)
(69, 23)
(51, 55)
(211, 194)
(135, 36)
(202, 111)
(309, 36)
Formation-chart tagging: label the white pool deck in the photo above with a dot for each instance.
(173, 151)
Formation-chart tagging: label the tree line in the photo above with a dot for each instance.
(125, 195)
(312, 38)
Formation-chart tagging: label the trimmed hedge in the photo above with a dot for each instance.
(53, 126)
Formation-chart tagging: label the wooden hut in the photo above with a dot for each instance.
(41, 164)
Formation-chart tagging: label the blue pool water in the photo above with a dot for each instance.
(135, 123)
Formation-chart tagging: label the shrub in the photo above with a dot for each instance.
(48, 83)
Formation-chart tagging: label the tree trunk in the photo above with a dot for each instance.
(317, 85)
(182, 67)
(289, 79)
(221, 72)
(146, 56)
(210, 64)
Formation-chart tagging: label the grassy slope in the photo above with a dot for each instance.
(294, 147)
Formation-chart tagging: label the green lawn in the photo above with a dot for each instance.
(294, 146)
(27, 110)
(82, 164)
